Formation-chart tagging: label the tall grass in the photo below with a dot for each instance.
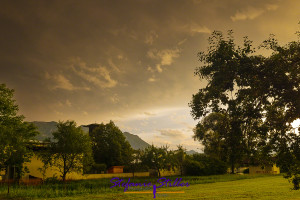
(99, 186)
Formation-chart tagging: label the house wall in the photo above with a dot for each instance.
(35, 164)
(116, 169)
(276, 169)
(238, 170)
(270, 169)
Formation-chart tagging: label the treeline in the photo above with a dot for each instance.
(162, 159)
(70, 149)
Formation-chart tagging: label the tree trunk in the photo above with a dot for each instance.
(64, 177)
(232, 168)
(7, 178)
(133, 170)
(64, 172)
(181, 170)
(7, 186)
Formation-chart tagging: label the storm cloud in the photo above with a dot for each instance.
(94, 61)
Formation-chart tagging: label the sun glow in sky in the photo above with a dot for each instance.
(129, 61)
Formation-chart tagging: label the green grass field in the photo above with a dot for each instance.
(206, 187)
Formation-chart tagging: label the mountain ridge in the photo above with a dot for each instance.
(46, 129)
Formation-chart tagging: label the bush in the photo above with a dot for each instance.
(193, 168)
(296, 182)
(97, 169)
(200, 165)
(135, 168)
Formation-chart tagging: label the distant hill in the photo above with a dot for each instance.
(135, 141)
(191, 152)
(46, 129)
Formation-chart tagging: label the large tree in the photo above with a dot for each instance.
(227, 68)
(260, 95)
(282, 71)
(70, 149)
(15, 134)
(110, 146)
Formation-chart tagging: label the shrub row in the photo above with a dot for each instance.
(201, 165)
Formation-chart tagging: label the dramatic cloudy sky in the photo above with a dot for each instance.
(130, 61)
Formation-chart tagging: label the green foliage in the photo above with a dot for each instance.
(250, 88)
(282, 75)
(8, 107)
(201, 165)
(179, 156)
(15, 134)
(233, 114)
(194, 168)
(289, 160)
(136, 164)
(157, 158)
(296, 181)
(258, 95)
(213, 132)
(246, 171)
(109, 145)
(69, 151)
(97, 169)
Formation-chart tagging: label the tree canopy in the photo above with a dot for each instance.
(156, 158)
(69, 150)
(260, 95)
(15, 134)
(110, 146)
(212, 131)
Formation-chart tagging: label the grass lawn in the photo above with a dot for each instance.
(209, 187)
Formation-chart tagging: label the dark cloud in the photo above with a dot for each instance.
(115, 58)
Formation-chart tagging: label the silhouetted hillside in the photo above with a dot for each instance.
(191, 152)
(135, 141)
(46, 129)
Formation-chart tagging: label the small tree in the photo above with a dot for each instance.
(15, 134)
(110, 146)
(135, 163)
(156, 158)
(70, 150)
(179, 158)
